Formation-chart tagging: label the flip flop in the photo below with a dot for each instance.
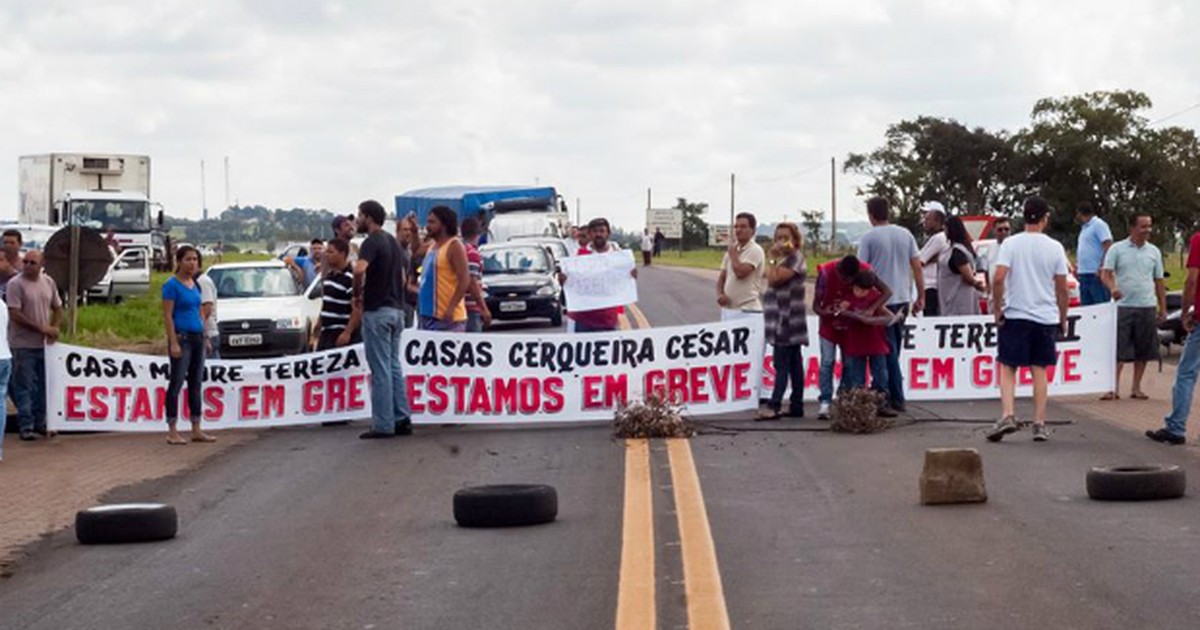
(1139, 396)
(206, 438)
(765, 414)
(179, 442)
(1111, 396)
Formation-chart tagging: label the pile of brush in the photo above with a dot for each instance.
(857, 411)
(651, 418)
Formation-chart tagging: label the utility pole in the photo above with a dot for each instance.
(833, 201)
(577, 213)
(732, 211)
(227, 206)
(203, 193)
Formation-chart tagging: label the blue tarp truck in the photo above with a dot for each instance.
(468, 201)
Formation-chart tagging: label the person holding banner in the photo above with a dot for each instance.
(1030, 293)
(739, 285)
(34, 310)
(1175, 431)
(785, 318)
(181, 299)
(379, 296)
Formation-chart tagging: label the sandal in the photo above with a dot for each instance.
(1111, 396)
(1139, 396)
(176, 442)
(767, 414)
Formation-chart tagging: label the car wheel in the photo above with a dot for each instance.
(505, 505)
(1136, 483)
(126, 523)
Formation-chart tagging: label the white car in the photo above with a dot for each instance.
(262, 311)
(128, 276)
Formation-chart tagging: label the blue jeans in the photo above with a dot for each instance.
(5, 373)
(29, 391)
(389, 399)
(1185, 385)
(189, 368)
(429, 323)
(474, 322)
(825, 375)
(1092, 290)
(854, 372)
(789, 366)
(895, 378)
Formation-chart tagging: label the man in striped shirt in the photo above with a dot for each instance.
(339, 324)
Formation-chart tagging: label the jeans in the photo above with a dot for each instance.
(29, 391)
(789, 365)
(389, 398)
(854, 372)
(1092, 290)
(825, 375)
(429, 323)
(895, 378)
(474, 322)
(190, 367)
(1185, 385)
(5, 373)
(215, 342)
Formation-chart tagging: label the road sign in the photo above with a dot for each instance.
(718, 235)
(669, 220)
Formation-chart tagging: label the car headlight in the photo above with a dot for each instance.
(546, 289)
(288, 323)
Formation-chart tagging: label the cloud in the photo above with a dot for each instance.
(322, 104)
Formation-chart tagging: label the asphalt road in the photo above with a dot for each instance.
(312, 528)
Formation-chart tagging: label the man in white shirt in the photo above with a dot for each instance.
(740, 283)
(1029, 289)
(934, 222)
(647, 247)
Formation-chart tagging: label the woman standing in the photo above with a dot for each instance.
(409, 238)
(784, 313)
(185, 341)
(958, 289)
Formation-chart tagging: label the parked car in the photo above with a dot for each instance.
(128, 276)
(520, 282)
(557, 246)
(985, 255)
(262, 311)
(1170, 330)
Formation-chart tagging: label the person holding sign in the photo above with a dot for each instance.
(603, 319)
(181, 301)
(739, 285)
(785, 317)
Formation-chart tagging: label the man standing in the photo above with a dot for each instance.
(445, 275)
(604, 319)
(34, 310)
(1133, 274)
(10, 262)
(659, 237)
(1002, 228)
(1175, 431)
(478, 315)
(1094, 240)
(647, 247)
(892, 252)
(740, 283)
(379, 296)
(340, 324)
(934, 223)
(1030, 294)
(344, 228)
(208, 312)
(835, 287)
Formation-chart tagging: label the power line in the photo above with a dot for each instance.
(1176, 114)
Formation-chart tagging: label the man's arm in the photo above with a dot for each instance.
(1160, 290)
(885, 294)
(458, 262)
(360, 276)
(740, 268)
(1063, 298)
(919, 277)
(1000, 275)
(1187, 317)
(722, 300)
(19, 319)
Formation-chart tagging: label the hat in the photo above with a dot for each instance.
(934, 206)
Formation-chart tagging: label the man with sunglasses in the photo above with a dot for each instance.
(34, 310)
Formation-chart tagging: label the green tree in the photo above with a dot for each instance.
(695, 228)
(812, 220)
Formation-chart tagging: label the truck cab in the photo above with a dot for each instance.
(130, 216)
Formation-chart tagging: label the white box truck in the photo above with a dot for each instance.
(97, 190)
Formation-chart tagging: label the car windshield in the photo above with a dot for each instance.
(101, 214)
(253, 282)
(515, 260)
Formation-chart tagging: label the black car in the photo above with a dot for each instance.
(520, 282)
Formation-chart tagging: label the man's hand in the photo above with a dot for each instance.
(1161, 317)
(723, 300)
(51, 333)
(175, 351)
(486, 316)
(343, 339)
(918, 305)
(732, 250)
(562, 278)
(1188, 319)
(1063, 327)
(357, 302)
(1117, 295)
(998, 316)
(633, 272)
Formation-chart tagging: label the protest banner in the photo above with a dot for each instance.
(599, 281)
(465, 379)
(954, 358)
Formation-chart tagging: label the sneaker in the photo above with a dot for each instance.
(1166, 437)
(1003, 427)
(28, 436)
(404, 427)
(823, 412)
(1040, 433)
(371, 435)
(899, 408)
(887, 412)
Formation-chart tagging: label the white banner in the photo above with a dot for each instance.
(954, 358)
(460, 378)
(599, 281)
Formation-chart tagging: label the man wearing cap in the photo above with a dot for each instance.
(1029, 290)
(1094, 240)
(934, 222)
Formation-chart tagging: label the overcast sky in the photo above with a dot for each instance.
(323, 104)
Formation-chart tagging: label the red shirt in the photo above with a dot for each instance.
(864, 340)
(599, 318)
(1194, 252)
(833, 290)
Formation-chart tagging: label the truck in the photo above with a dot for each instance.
(103, 191)
(509, 212)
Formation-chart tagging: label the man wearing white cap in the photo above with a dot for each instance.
(934, 222)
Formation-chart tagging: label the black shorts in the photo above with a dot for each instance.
(1137, 334)
(1023, 343)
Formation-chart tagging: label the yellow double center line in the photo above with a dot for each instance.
(636, 607)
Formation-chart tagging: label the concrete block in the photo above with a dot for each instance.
(952, 475)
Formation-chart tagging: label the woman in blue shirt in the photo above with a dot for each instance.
(185, 340)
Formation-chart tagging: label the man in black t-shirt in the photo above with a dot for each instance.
(379, 294)
(340, 322)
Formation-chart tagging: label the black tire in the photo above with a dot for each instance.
(126, 523)
(1143, 482)
(505, 505)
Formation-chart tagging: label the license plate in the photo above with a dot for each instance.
(245, 340)
(512, 307)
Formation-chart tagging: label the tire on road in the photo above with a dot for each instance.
(126, 523)
(1142, 482)
(509, 505)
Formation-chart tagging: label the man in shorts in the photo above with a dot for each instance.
(1133, 274)
(1029, 288)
